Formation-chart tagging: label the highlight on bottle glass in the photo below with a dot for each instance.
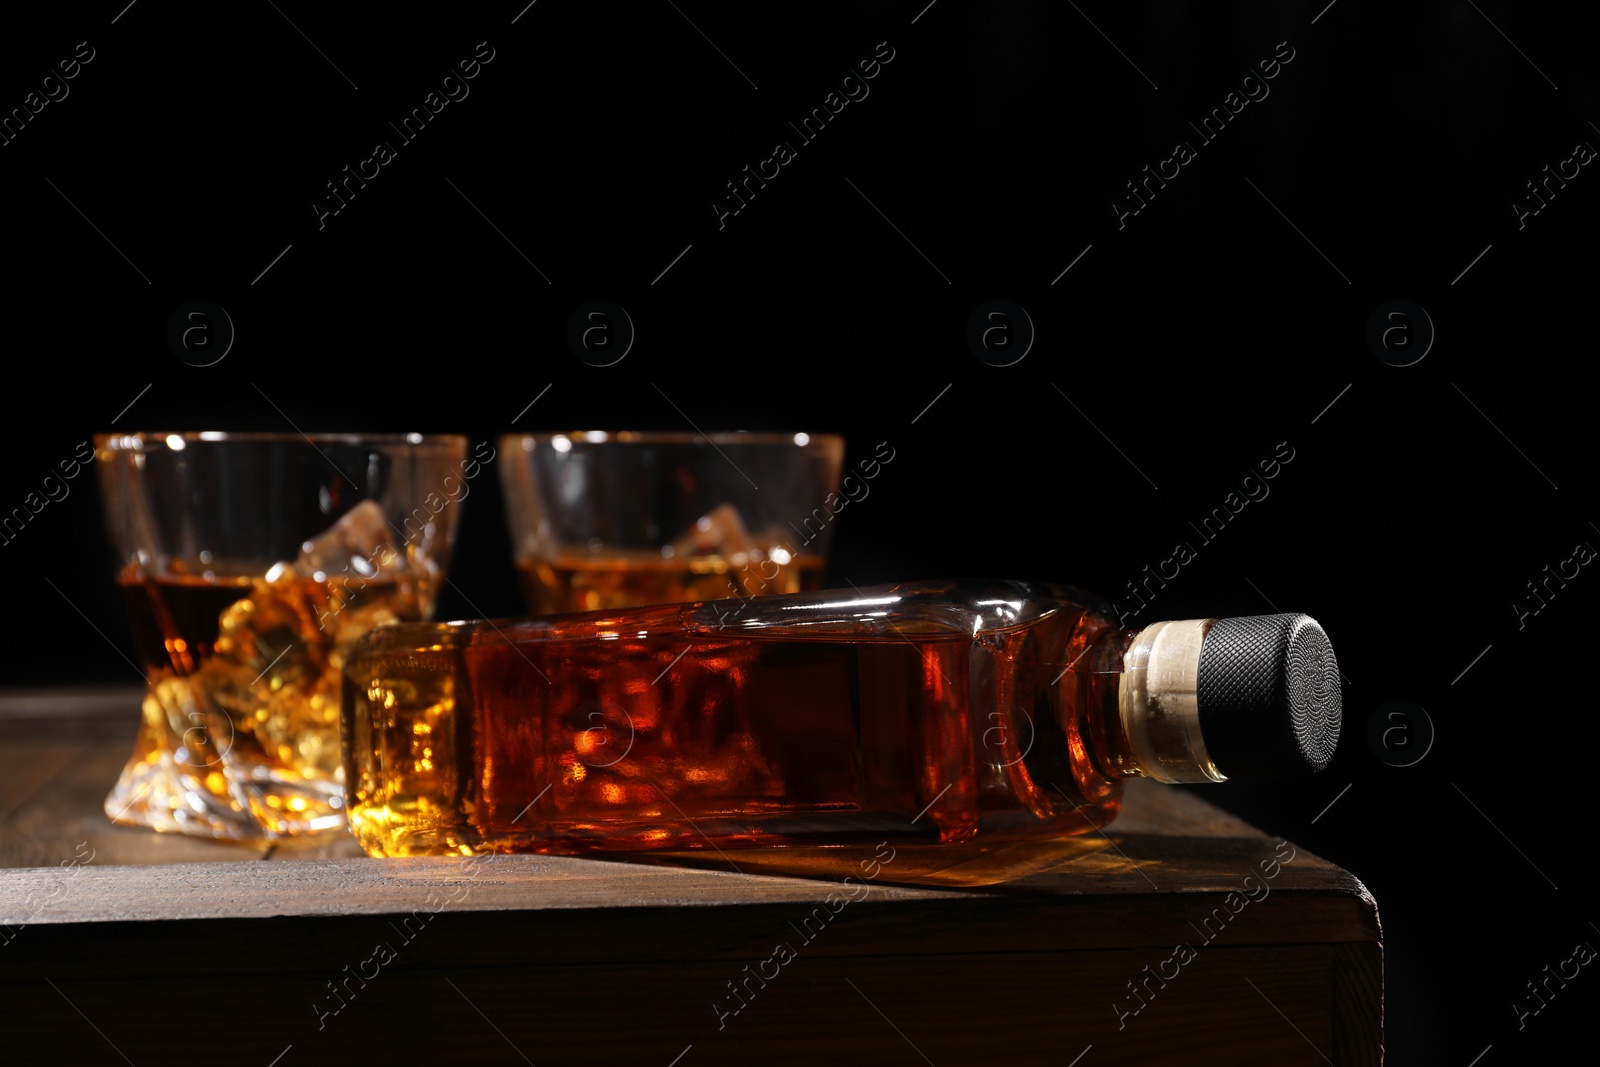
(250, 563)
(602, 519)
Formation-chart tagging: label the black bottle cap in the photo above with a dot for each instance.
(1268, 696)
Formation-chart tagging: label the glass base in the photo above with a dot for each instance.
(165, 786)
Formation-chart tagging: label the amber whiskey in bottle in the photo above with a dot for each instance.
(926, 711)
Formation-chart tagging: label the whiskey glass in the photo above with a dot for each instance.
(602, 520)
(250, 563)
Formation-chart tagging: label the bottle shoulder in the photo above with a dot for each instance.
(929, 608)
(926, 610)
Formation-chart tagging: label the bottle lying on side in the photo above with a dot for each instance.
(925, 711)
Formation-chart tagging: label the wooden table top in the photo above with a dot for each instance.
(1141, 886)
(60, 753)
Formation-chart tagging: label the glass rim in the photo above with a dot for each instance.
(135, 441)
(679, 437)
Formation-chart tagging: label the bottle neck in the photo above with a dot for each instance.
(1150, 720)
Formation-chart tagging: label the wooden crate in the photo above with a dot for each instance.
(169, 949)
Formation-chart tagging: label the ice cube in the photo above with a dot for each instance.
(349, 623)
(276, 671)
(719, 532)
(266, 642)
(360, 545)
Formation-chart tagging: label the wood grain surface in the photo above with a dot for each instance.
(1019, 954)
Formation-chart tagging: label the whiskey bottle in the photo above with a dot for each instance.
(924, 711)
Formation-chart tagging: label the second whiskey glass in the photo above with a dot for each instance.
(602, 520)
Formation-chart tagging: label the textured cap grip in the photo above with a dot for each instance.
(1268, 694)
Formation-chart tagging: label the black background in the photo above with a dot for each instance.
(1177, 352)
